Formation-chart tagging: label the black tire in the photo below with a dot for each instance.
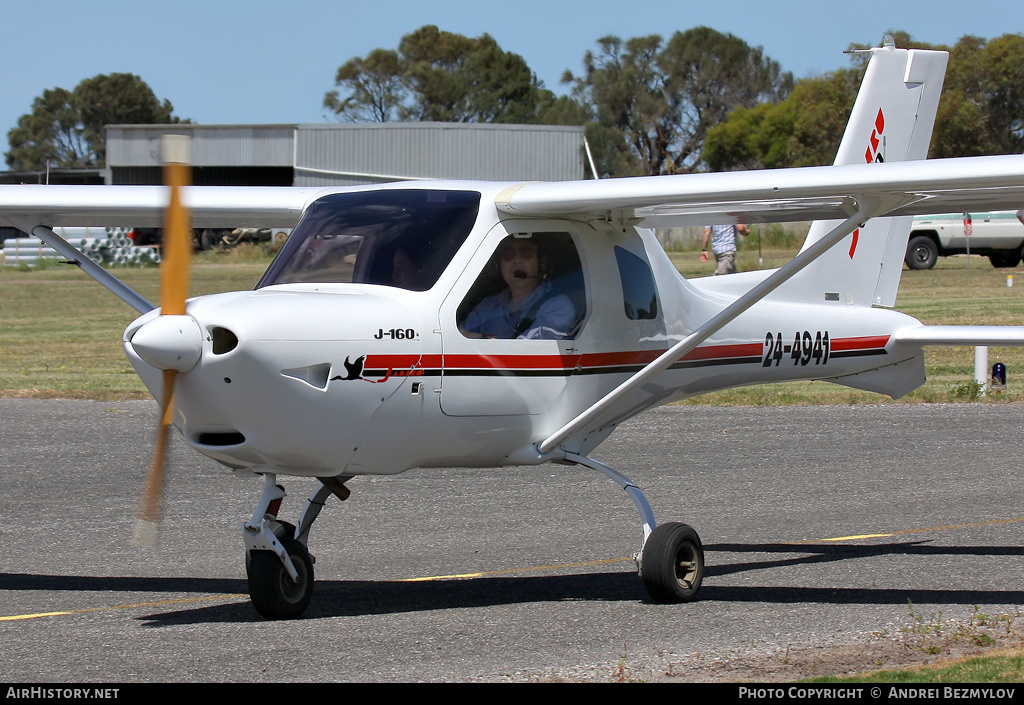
(922, 252)
(272, 591)
(672, 565)
(209, 239)
(1010, 258)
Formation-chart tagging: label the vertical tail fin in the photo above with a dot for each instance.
(892, 120)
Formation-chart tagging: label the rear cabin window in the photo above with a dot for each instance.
(639, 293)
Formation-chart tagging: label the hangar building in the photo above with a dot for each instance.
(350, 154)
(332, 154)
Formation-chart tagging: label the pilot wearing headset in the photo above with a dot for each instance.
(528, 308)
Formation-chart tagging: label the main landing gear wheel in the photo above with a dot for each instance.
(672, 564)
(273, 592)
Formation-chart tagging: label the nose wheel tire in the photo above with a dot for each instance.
(672, 564)
(272, 591)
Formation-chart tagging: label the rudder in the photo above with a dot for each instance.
(892, 120)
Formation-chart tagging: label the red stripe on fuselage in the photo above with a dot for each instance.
(554, 362)
(866, 342)
(586, 361)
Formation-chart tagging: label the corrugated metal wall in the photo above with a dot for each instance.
(366, 153)
(333, 154)
(212, 145)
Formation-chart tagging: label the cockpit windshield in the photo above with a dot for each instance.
(395, 237)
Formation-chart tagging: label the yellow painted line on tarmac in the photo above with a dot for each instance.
(854, 538)
(182, 601)
(109, 608)
(510, 571)
(906, 532)
(32, 616)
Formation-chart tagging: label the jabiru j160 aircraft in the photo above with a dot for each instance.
(440, 324)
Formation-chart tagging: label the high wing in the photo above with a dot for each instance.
(37, 209)
(777, 195)
(849, 193)
(26, 206)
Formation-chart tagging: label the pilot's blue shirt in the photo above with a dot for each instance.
(541, 317)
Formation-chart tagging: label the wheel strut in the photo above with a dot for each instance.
(671, 560)
(279, 566)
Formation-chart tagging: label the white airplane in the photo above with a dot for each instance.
(381, 338)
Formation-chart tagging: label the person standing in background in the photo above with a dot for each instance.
(723, 245)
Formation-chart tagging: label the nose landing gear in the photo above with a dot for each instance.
(278, 564)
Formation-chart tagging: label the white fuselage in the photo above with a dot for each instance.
(325, 379)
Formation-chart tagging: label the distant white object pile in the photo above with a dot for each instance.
(105, 246)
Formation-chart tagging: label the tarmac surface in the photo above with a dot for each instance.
(512, 574)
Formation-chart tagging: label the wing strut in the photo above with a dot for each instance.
(115, 285)
(730, 312)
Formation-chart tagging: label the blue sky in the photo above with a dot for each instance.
(262, 61)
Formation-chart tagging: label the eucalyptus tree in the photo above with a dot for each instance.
(66, 128)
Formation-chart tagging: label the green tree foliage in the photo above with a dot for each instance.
(444, 77)
(374, 88)
(652, 102)
(981, 110)
(625, 96)
(67, 128)
(51, 131)
(982, 107)
(803, 130)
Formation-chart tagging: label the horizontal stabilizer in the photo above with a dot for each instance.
(896, 380)
(961, 335)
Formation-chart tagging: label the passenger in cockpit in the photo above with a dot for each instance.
(528, 307)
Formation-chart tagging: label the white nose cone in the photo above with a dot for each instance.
(169, 343)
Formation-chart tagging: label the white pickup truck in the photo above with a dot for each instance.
(999, 235)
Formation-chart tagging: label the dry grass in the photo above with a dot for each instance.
(60, 332)
(955, 292)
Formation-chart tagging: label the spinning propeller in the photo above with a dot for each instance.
(173, 341)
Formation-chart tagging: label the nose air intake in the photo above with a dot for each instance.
(224, 341)
(223, 438)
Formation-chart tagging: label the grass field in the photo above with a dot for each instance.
(956, 292)
(1006, 666)
(60, 332)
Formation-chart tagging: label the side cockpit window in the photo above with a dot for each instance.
(532, 288)
(394, 237)
(639, 293)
